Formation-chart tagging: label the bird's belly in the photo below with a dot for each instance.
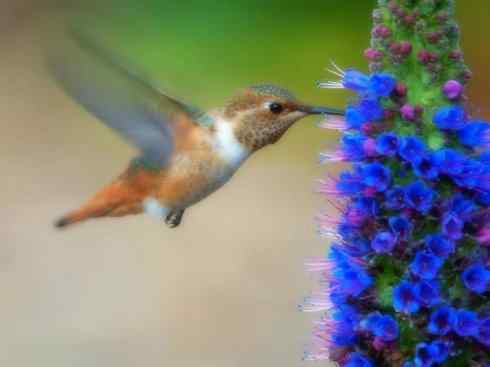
(191, 178)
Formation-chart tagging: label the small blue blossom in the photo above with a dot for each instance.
(475, 134)
(405, 298)
(376, 176)
(439, 245)
(381, 84)
(462, 207)
(357, 247)
(483, 334)
(424, 355)
(352, 146)
(346, 319)
(354, 118)
(441, 320)
(465, 323)
(449, 161)
(419, 196)
(352, 281)
(387, 144)
(400, 226)
(383, 242)
(358, 360)
(355, 80)
(386, 329)
(440, 351)
(452, 226)
(425, 265)
(426, 167)
(371, 109)
(476, 278)
(428, 292)
(395, 198)
(450, 118)
(412, 149)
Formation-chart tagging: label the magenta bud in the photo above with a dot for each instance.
(452, 89)
(401, 89)
(389, 114)
(467, 75)
(408, 112)
(409, 19)
(369, 147)
(405, 48)
(456, 55)
(434, 37)
(373, 55)
(424, 56)
(382, 31)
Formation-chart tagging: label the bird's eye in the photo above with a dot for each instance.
(276, 107)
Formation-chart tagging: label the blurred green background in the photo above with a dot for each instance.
(222, 289)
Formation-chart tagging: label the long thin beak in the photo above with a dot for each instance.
(317, 110)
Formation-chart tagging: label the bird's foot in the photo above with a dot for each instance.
(174, 218)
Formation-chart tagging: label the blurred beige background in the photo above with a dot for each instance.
(221, 290)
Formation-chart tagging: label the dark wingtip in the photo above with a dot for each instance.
(62, 223)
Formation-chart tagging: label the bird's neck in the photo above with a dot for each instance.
(227, 144)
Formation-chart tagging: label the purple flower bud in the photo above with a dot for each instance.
(381, 31)
(408, 112)
(452, 89)
(409, 20)
(373, 55)
(401, 89)
(456, 55)
(434, 37)
(405, 48)
(424, 56)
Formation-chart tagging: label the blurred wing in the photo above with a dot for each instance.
(121, 98)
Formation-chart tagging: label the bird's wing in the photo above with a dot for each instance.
(121, 97)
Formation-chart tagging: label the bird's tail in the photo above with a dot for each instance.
(114, 200)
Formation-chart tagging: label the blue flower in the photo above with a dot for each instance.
(419, 196)
(450, 118)
(426, 167)
(465, 323)
(474, 174)
(476, 278)
(483, 334)
(353, 146)
(452, 226)
(383, 242)
(440, 351)
(371, 109)
(357, 247)
(450, 161)
(441, 320)
(352, 281)
(412, 149)
(349, 184)
(386, 328)
(405, 299)
(346, 320)
(428, 292)
(387, 144)
(439, 245)
(401, 226)
(376, 176)
(355, 80)
(424, 355)
(395, 198)
(354, 118)
(462, 207)
(358, 360)
(382, 84)
(475, 134)
(425, 265)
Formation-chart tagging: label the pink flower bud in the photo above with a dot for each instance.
(408, 112)
(382, 31)
(401, 89)
(373, 54)
(452, 89)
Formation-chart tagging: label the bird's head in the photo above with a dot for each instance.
(261, 114)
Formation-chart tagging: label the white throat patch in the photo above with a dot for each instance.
(227, 146)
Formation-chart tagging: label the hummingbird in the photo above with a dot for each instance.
(185, 153)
